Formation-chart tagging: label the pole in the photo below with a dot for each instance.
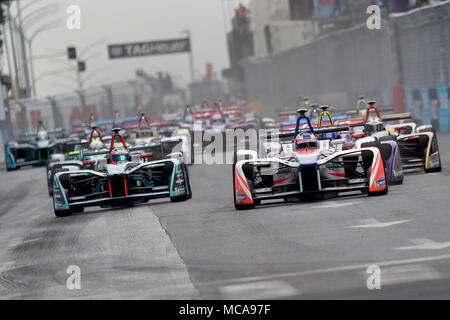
(191, 56)
(110, 98)
(30, 48)
(56, 113)
(24, 63)
(13, 48)
(23, 50)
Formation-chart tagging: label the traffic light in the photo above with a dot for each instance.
(81, 66)
(72, 53)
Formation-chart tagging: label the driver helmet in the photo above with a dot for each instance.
(120, 155)
(373, 125)
(306, 103)
(96, 144)
(42, 135)
(145, 133)
(306, 140)
(217, 118)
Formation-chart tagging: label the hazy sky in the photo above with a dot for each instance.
(117, 21)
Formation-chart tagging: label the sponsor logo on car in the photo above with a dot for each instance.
(435, 163)
(380, 183)
(241, 197)
(181, 189)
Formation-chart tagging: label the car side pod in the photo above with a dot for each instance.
(377, 182)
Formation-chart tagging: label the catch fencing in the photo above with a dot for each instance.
(64, 111)
(405, 65)
(334, 69)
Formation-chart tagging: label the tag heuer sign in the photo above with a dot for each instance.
(140, 49)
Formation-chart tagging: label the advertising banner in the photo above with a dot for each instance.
(444, 119)
(140, 49)
(409, 96)
(426, 106)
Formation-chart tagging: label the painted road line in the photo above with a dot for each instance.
(333, 270)
(406, 274)
(425, 244)
(334, 204)
(262, 290)
(372, 223)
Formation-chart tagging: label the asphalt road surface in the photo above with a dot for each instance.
(204, 249)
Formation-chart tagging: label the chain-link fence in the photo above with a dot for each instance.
(423, 46)
(334, 69)
(64, 111)
(411, 49)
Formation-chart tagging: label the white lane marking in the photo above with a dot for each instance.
(334, 204)
(335, 269)
(372, 223)
(425, 244)
(263, 290)
(406, 274)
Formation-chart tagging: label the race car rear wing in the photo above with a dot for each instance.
(360, 122)
(290, 133)
(396, 117)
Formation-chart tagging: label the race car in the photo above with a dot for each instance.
(34, 151)
(418, 145)
(371, 132)
(306, 167)
(71, 158)
(119, 180)
(166, 140)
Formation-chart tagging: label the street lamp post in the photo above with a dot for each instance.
(191, 55)
(13, 44)
(30, 40)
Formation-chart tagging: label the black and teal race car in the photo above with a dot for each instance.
(119, 177)
(33, 150)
